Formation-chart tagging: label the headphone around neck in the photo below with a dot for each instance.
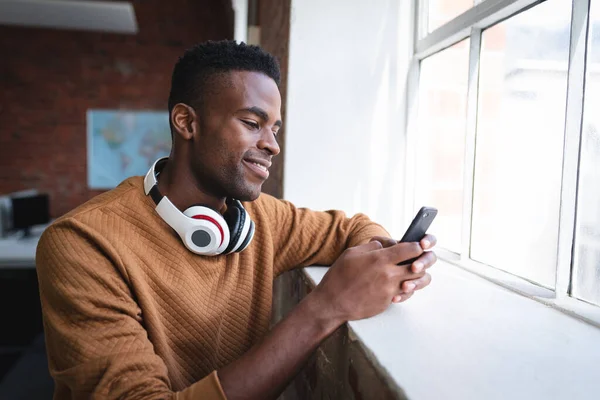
(202, 229)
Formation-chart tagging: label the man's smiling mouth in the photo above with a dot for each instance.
(259, 166)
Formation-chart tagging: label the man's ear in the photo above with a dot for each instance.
(184, 120)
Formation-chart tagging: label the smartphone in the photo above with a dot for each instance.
(418, 228)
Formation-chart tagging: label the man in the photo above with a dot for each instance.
(134, 308)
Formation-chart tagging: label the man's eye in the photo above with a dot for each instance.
(251, 124)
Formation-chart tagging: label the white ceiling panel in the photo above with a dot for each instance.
(104, 16)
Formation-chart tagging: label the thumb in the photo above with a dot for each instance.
(372, 245)
(385, 241)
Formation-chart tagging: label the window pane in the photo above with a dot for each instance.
(441, 140)
(586, 274)
(520, 132)
(442, 11)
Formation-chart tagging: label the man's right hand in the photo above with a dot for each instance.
(363, 281)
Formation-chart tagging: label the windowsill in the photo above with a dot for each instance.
(464, 337)
(578, 308)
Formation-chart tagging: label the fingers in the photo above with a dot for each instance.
(408, 288)
(401, 298)
(423, 262)
(415, 284)
(401, 252)
(428, 242)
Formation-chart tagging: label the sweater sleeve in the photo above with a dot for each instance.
(95, 338)
(305, 237)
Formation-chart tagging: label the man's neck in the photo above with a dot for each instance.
(178, 183)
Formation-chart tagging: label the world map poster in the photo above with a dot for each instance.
(123, 144)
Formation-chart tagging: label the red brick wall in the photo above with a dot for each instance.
(49, 78)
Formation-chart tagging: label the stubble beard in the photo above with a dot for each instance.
(236, 185)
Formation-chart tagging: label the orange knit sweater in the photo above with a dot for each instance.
(129, 312)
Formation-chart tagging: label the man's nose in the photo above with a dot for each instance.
(268, 142)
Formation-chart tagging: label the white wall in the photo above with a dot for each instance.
(345, 123)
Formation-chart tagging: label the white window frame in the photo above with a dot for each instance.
(470, 24)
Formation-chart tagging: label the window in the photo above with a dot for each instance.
(442, 122)
(586, 274)
(520, 135)
(509, 152)
(442, 11)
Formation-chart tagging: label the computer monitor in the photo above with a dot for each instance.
(28, 211)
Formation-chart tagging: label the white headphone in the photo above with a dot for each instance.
(203, 230)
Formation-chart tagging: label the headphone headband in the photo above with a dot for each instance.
(150, 181)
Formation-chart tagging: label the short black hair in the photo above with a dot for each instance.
(201, 62)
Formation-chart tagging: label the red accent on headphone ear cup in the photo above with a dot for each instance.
(207, 218)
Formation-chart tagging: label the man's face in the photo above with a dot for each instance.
(236, 139)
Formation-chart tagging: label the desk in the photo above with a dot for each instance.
(17, 252)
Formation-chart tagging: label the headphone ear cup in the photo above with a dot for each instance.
(235, 218)
(211, 225)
